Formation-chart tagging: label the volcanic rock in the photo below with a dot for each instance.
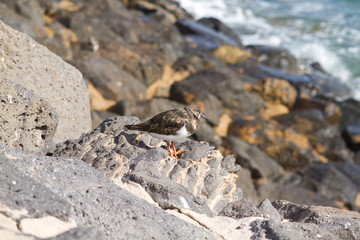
(95, 201)
(27, 63)
(290, 149)
(201, 178)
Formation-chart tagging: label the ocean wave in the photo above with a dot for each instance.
(314, 30)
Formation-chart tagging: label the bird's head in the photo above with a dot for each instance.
(196, 111)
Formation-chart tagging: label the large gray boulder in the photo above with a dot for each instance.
(68, 189)
(25, 62)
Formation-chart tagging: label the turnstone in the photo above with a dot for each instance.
(172, 125)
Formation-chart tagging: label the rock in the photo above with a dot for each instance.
(59, 40)
(330, 183)
(323, 137)
(26, 195)
(167, 194)
(24, 15)
(45, 227)
(270, 229)
(269, 211)
(272, 110)
(231, 55)
(81, 233)
(351, 135)
(331, 111)
(123, 155)
(313, 83)
(134, 43)
(113, 83)
(287, 147)
(97, 101)
(252, 158)
(283, 188)
(13, 19)
(95, 201)
(28, 121)
(278, 58)
(223, 227)
(29, 9)
(201, 36)
(350, 112)
(170, 10)
(191, 64)
(27, 63)
(241, 209)
(310, 85)
(207, 86)
(350, 170)
(244, 181)
(332, 223)
(143, 61)
(152, 10)
(220, 27)
(198, 94)
(222, 128)
(245, 208)
(276, 91)
(206, 133)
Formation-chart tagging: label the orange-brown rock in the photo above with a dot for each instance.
(222, 128)
(97, 101)
(323, 137)
(289, 148)
(331, 111)
(230, 54)
(277, 91)
(271, 110)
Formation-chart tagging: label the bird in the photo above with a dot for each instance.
(172, 125)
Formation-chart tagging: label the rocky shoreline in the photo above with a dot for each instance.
(278, 158)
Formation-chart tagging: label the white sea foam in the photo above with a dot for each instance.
(327, 58)
(313, 30)
(356, 82)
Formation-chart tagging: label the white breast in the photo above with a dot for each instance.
(181, 133)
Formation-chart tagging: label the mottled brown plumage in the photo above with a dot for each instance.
(171, 125)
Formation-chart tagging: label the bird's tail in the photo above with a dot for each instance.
(138, 127)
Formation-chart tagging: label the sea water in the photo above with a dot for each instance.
(324, 31)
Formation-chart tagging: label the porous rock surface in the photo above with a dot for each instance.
(69, 188)
(25, 62)
(28, 122)
(203, 180)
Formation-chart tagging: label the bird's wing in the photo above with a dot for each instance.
(144, 126)
(166, 122)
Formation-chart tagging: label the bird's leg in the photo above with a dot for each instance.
(168, 146)
(175, 152)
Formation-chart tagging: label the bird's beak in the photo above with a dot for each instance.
(202, 115)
